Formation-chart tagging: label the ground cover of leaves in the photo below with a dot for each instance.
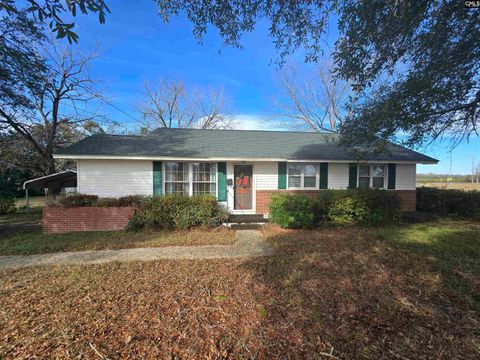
(342, 293)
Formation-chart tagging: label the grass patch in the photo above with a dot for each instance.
(21, 217)
(32, 241)
(452, 249)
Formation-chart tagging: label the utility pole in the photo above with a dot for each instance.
(473, 167)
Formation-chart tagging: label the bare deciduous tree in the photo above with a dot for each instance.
(58, 115)
(171, 104)
(312, 96)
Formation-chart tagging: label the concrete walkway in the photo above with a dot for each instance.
(248, 243)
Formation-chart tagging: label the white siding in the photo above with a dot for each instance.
(337, 175)
(114, 178)
(266, 175)
(406, 177)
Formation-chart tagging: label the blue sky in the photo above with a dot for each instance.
(136, 46)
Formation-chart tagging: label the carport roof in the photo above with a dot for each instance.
(67, 178)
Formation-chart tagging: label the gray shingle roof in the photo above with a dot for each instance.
(234, 144)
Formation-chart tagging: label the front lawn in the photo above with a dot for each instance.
(351, 293)
(32, 241)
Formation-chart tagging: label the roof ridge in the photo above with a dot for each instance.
(246, 130)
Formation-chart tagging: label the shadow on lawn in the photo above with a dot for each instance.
(363, 297)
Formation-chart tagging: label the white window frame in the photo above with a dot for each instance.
(190, 170)
(164, 171)
(302, 176)
(370, 175)
(190, 176)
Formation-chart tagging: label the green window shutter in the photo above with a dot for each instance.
(222, 181)
(282, 175)
(352, 175)
(157, 178)
(323, 175)
(392, 174)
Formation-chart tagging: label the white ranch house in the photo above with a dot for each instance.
(241, 168)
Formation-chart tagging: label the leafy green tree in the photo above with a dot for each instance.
(53, 12)
(413, 64)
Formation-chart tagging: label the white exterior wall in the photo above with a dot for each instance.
(406, 178)
(115, 178)
(266, 175)
(338, 175)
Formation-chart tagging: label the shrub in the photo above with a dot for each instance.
(7, 205)
(449, 202)
(177, 212)
(366, 207)
(292, 211)
(76, 200)
(123, 201)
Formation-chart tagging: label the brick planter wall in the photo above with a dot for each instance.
(408, 198)
(63, 220)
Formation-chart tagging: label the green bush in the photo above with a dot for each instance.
(292, 211)
(7, 205)
(177, 212)
(94, 200)
(366, 207)
(123, 201)
(76, 200)
(449, 202)
(358, 206)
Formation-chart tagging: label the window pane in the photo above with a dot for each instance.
(379, 171)
(294, 181)
(309, 181)
(377, 182)
(176, 188)
(175, 171)
(294, 169)
(309, 170)
(363, 182)
(364, 170)
(204, 172)
(204, 188)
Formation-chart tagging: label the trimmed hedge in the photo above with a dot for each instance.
(449, 202)
(93, 200)
(177, 212)
(356, 206)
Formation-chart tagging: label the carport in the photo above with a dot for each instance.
(51, 184)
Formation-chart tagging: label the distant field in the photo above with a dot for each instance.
(450, 185)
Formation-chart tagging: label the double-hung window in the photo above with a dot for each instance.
(302, 176)
(371, 176)
(204, 178)
(176, 178)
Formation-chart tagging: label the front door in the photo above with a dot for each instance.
(243, 187)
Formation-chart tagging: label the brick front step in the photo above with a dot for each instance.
(247, 219)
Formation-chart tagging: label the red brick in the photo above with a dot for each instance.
(63, 220)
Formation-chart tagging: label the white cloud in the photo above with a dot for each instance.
(258, 122)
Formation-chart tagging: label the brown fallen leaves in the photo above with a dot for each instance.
(334, 289)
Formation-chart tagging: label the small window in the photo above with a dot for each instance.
(204, 178)
(176, 178)
(302, 176)
(378, 176)
(371, 176)
(364, 176)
